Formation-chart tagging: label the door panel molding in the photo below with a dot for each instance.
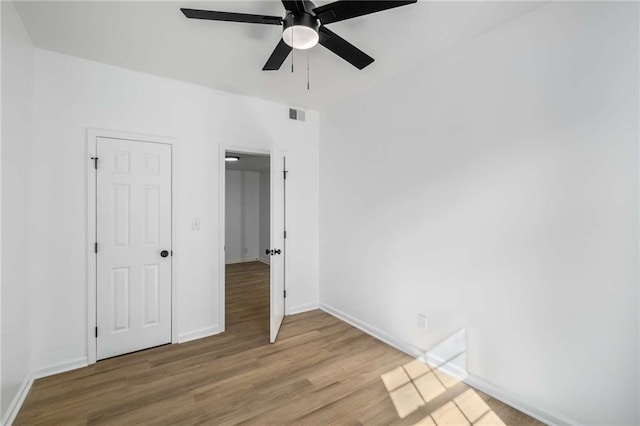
(92, 138)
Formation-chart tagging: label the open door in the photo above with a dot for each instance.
(277, 242)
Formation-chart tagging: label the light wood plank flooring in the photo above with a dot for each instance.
(320, 371)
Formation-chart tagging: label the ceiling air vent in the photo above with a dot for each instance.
(296, 114)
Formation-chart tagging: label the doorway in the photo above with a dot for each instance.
(247, 244)
(252, 261)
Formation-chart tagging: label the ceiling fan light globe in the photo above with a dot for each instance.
(300, 37)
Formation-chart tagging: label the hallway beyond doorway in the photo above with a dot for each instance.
(247, 301)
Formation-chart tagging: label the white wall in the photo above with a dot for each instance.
(72, 95)
(264, 241)
(17, 114)
(242, 225)
(496, 189)
(247, 224)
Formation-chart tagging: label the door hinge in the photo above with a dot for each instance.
(285, 234)
(285, 294)
(96, 331)
(95, 247)
(284, 173)
(95, 162)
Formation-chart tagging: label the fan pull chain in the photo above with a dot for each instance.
(293, 49)
(308, 69)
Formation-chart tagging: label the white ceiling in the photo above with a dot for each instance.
(249, 162)
(154, 37)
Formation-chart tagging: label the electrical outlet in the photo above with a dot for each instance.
(422, 322)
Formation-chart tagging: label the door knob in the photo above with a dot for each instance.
(277, 251)
(267, 251)
(164, 253)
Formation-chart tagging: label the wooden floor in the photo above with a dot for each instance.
(320, 371)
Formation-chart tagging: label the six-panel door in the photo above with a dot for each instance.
(133, 229)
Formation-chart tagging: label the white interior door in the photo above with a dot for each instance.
(277, 242)
(133, 206)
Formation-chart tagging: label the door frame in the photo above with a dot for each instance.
(92, 142)
(221, 224)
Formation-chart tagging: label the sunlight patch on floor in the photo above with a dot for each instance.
(471, 405)
(406, 399)
(449, 414)
(415, 384)
(395, 378)
(416, 368)
(429, 386)
(490, 419)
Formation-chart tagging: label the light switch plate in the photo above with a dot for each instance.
(422, 322)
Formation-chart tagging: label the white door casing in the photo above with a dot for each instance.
(277, 242)
(133, 228)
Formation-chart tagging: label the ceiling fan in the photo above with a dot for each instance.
(304, 26)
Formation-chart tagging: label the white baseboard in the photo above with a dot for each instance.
(74, 364)
(18, 400)
(199, 334)
(249, 259)
(544, 415)
(509, 398)
(302, 308)
(266, 261)
(61, 367)
(373, 331)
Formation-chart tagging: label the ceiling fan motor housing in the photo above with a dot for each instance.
(300, 30)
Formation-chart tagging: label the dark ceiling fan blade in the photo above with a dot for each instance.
(294, 5)
(277, 57)
(231, 17)
(343, 48)
(347, 9)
